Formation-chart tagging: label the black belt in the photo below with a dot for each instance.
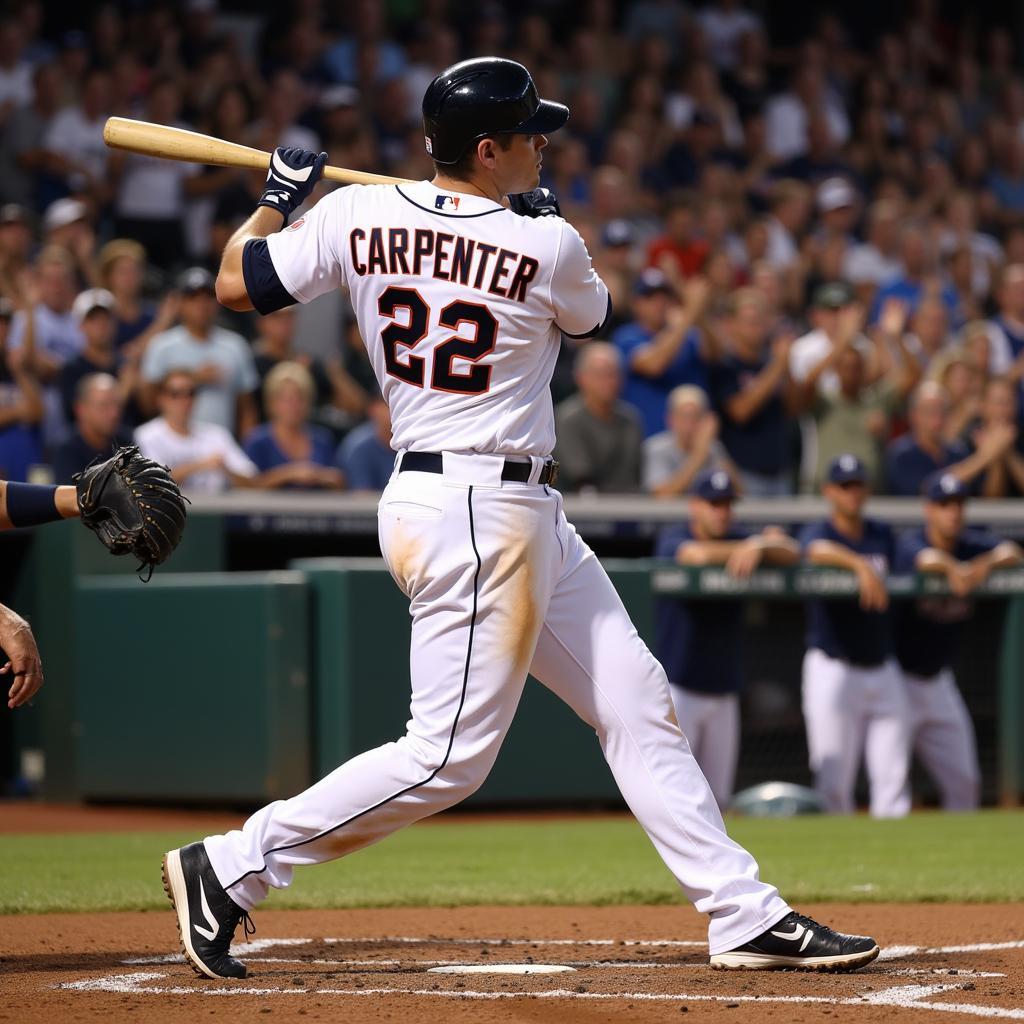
(432, 462)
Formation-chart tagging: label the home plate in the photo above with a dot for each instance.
(502, 969)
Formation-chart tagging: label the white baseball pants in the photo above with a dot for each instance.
(500, 585)
(711, 723)
(848, 710)
(942, 736)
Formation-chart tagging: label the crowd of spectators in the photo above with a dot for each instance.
(812, 247)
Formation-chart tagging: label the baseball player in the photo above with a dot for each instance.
(462, 302)
(928, 633)
(853, 698)
(698, 642)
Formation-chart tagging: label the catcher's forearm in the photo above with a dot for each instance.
(66, 501)
(34, 504)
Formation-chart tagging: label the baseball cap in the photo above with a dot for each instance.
(63, 212)
(714, 485)
(616, 233)
(835, 193)
(339, 96)
(846, 469)
(650, 281)
(196, 279)
(944, 486)
(13, 213)
(90, 299)
(833, 295)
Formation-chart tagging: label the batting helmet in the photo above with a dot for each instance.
(485, 96)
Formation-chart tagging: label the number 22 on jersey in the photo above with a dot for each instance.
(397, 337)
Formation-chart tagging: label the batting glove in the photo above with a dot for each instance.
(541, 202)
(292, 176)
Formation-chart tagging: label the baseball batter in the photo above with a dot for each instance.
(928, 633)
(853, 697)
(461, 301)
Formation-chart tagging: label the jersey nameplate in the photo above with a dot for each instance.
(444, 256)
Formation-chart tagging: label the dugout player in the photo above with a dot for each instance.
(462, 302)
(699, 642)
(928, 629)
(853, 696)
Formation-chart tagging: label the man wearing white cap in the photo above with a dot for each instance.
(93, 311)
(67, 223)
(837, 208)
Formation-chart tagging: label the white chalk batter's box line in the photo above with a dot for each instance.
(904, 996)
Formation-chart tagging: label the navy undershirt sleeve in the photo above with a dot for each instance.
(264, 287)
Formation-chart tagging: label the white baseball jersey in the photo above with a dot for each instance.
(460, 302)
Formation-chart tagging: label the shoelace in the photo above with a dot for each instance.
(247, 926)
(809, 922)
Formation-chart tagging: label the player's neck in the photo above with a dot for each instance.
(486, 189)
(849, 525)
(938, 541)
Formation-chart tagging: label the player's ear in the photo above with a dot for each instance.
(486, 152)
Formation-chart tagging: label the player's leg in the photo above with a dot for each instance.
(944, 740)
(887, 741)
(591, 656)
(475, 571)
(833, 717)
(478, 571)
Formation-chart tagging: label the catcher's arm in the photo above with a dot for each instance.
(22, 662)
(34, 504)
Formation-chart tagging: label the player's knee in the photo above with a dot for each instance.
(455, 770)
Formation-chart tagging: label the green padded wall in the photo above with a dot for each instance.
(62, 552)
(361, 672)
(194, 687)
(1011, 706)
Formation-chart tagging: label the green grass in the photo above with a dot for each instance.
(927, 857)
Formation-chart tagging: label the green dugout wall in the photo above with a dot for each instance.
(237, 688)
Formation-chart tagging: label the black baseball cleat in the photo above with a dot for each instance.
(796, 943)
(207, 915)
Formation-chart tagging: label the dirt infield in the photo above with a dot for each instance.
(628, 963)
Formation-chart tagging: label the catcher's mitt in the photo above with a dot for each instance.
(133, 505)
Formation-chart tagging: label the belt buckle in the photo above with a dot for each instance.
(552, 472)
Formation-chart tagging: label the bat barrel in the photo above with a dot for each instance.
(169, 143)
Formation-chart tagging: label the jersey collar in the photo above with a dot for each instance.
(447, 204)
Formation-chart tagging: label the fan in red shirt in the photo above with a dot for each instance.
(680, 252)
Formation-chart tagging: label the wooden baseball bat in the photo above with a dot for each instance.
(162, 140)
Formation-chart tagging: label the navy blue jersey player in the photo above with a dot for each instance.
(698, 642)
(928, 630)
(853, 696)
